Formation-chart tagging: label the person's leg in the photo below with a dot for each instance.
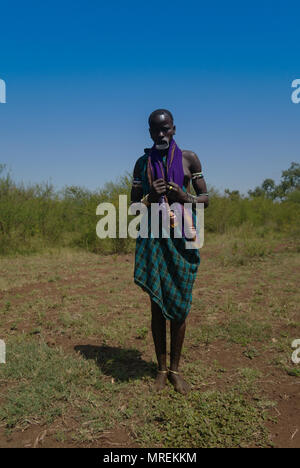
(177, 338)
(158, 326)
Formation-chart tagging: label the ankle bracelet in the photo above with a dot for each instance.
(174, 372)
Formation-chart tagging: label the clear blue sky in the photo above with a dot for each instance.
(82, 78)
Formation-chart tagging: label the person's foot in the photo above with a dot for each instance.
(161, 380)
(180, 385)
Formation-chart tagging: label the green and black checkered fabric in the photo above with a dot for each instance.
(165, 269)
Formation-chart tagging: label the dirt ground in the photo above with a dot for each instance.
(55, 298)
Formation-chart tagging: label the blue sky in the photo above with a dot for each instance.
(82, 78)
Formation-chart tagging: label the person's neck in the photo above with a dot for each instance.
(163, 152)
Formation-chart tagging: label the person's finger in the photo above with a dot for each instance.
(160, 187)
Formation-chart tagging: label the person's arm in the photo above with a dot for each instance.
(198, 182)
(136, 189)
(177, 194)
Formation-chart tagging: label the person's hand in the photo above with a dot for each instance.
(175, 193)
(158, 189)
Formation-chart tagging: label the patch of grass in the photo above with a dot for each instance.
(142, 332)
(206, 334)
(251, 353)
(110, 384)
(44, 382)
(244, 331)
(201, 420)
(248, 377)
(294, 372)
(54, 278)
(244, 252)
(237, 330)
(264, 404)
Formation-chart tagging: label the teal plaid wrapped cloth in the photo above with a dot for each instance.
(164, 268)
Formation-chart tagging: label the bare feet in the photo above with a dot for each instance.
(161, 380)
(180, 385)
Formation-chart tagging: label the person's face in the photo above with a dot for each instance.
(162, 131)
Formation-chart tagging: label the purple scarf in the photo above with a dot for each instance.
(172, 173)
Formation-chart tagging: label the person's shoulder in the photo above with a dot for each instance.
(189, 155)
(142, 158)
(193, 160)
(140, 162)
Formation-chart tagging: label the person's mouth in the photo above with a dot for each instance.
(162, 145)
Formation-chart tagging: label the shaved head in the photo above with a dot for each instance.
(159, 112)
(161, 128)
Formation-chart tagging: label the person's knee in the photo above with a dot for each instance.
(155, 309)
(157, 315)
(178, 324)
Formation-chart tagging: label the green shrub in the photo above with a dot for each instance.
(35, 217)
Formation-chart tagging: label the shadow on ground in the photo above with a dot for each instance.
(121, 364)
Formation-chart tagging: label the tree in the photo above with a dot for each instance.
(269, 188)
(233, 194)
(257, 192)
(290, 180)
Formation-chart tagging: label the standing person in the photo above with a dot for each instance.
(164, 267)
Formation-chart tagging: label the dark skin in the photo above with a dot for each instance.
(162, 130)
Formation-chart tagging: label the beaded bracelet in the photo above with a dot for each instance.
(194, 198)
(197, 175)
(137, 183)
